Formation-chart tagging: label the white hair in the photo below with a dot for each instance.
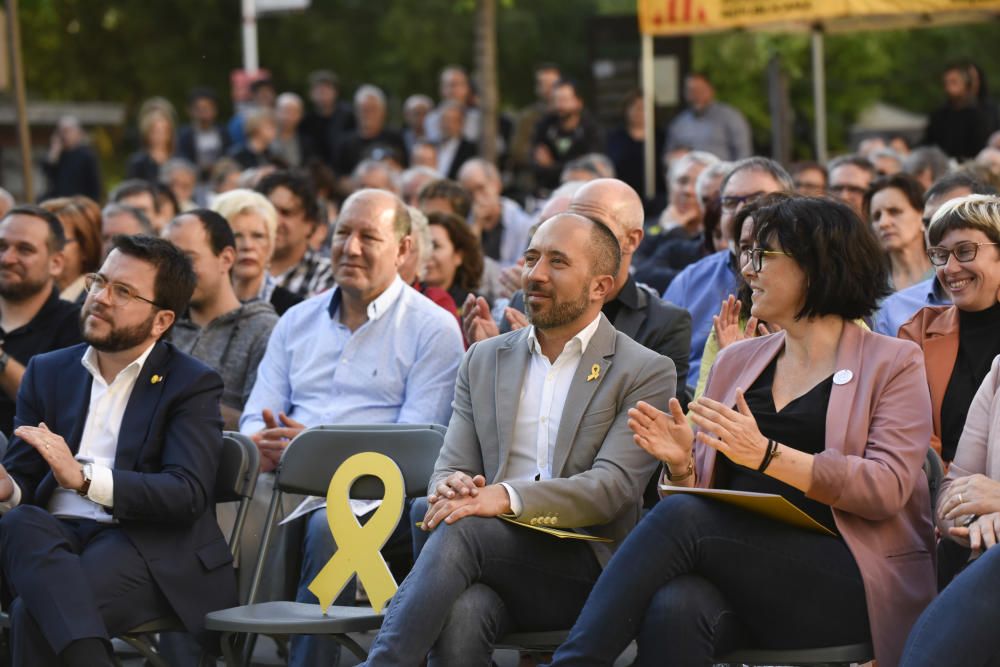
(686, 161)
(369, 90)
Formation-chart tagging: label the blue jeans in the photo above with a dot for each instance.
(475, 581)
(318, 547)
(960, 626)
(698, 578)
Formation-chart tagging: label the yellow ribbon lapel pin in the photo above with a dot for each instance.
(156, 379)
(595, 372)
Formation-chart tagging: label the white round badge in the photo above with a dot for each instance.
(843, 376)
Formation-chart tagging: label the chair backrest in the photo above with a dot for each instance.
(238, 466)
(934, 469)
(308, 463)
(310, 460)
(236, 480)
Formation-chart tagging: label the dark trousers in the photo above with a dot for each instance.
(698, 578)
(960, 626)
(476, 580)
(71, 580)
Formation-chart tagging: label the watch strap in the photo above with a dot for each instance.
(88, 477)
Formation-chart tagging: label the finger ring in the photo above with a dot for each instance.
(960, 501)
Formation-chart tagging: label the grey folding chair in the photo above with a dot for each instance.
(306, 467)
(235, 481)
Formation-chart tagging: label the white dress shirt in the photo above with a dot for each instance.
(540, 410)
(99, 442)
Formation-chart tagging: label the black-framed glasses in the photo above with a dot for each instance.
(965, 251)
(732, 202)
(755, 257)
(121, 294)
(843, 190)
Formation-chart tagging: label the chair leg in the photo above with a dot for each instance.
(351, 645)
(229, 651)
(145, 649)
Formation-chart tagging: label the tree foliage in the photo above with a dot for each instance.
(129, 50)
(898, 67)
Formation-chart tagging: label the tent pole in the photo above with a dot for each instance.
(20, 99)
(819, 91)
(649, 111)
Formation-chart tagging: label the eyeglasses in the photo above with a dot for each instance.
(841, 190)
(732, 202)
(963, 252)
(755, 257)
(121, 294)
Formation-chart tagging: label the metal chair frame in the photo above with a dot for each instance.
(306, 467)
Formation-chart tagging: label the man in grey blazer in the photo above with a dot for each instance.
(538, 436)
(632, 307)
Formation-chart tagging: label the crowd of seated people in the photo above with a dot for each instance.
(812, 331)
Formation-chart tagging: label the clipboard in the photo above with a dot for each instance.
(766, 504)
(555, 532)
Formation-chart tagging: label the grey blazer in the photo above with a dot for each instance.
(598, 471)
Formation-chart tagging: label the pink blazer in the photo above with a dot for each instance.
(878, 429)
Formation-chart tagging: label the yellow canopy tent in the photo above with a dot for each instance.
(665, 18)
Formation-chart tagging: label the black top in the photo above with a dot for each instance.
(628, 156)
(74, 173)
(55, 326)
(978, 345)
(142, 165)
(565, 145)
(352, 148)
(800, 425)
(320, 134)
(961, 133)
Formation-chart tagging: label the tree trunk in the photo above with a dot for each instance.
(486, 70)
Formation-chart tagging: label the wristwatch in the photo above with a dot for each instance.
(88, 477)
(4, 360)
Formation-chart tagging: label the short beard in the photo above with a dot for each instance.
(118, 339)
(560, 312)
(23, 290)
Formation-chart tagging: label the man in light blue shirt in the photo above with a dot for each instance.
(372, 350)
(707, 125)
(701, 287)
(898, 308)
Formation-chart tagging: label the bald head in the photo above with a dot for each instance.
(554, 206)
(375, 204)
(612, 202)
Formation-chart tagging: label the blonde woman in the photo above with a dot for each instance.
(254, 222)
(157, 128)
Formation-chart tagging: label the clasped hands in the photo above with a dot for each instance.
(461, 495)
(974, 501)
(670, 438)
(53, 449)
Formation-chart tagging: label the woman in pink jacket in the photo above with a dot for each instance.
(831, 417)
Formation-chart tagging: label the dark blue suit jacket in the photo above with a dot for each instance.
(165, 467)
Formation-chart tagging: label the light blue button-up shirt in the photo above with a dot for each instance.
(898, 308)
(398, 367)
(700, 288)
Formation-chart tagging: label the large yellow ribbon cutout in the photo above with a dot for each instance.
(358, 547)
